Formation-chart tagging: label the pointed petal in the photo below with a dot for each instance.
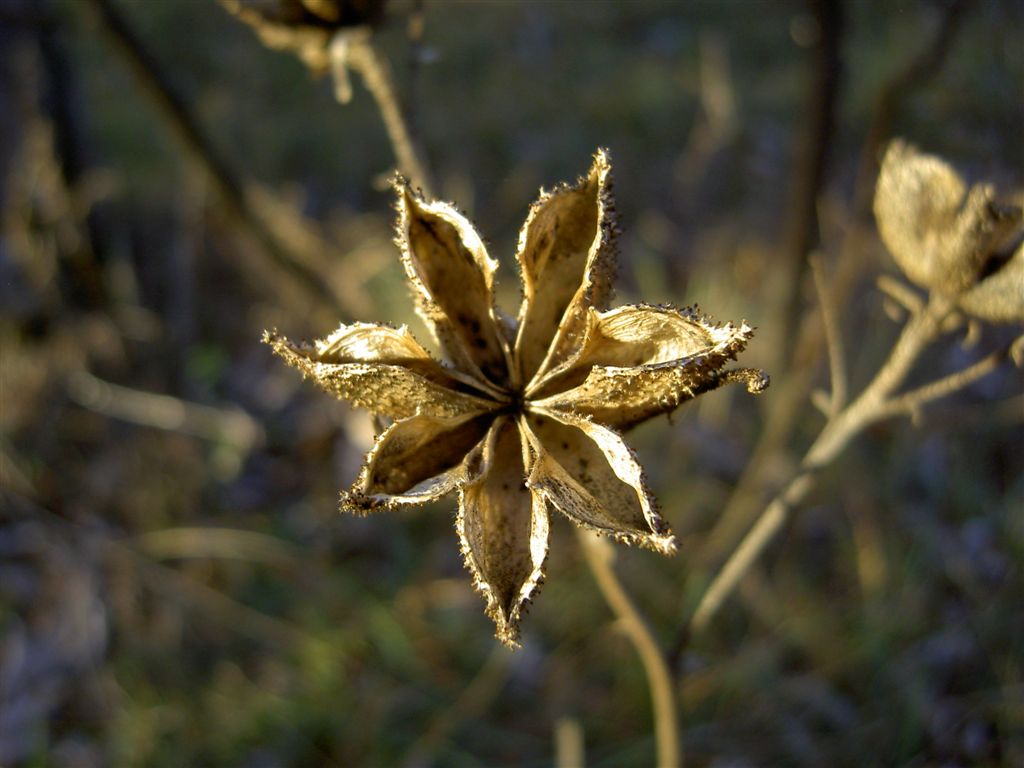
(566, 256)
(639, 361)
(592, 476)
(453, 277)
(503, 528)
(381, 369)
(416, 460)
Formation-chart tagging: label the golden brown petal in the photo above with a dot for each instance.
(416, 460)
(566, 258)
(374, 367)
(588, 473)
(503, 528)
(452, 276)
(639, 361)
(999, 298)
(938, 232)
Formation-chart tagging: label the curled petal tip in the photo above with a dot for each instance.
(755, 379)
(665, 544)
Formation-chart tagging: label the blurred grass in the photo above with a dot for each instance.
(884, 628)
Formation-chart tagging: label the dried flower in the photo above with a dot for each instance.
(948, 238)
(527, 415)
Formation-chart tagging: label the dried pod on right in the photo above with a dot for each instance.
(949, 238)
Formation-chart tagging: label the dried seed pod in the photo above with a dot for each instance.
(523, 419)
(939, 232)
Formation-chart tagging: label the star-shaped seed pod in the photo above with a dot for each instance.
(524, 417)
(958, 241)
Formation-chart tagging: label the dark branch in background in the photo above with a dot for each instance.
(917, 72)
(232, 191)
(802, 233)
(61, 100)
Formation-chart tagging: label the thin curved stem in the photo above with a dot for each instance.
(833, 339)
(910, 403)
(599, 555)
(750, 549)
(376, 74)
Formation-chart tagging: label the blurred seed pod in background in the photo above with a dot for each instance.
(949, 238)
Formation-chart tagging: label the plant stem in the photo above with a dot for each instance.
(599, 555)
(376, 74)
(873, 404)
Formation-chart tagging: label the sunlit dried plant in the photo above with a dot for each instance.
(965, 247)
(527, 414)
(319, 32)
(960, 242)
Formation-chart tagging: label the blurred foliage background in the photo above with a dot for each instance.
(176, 585)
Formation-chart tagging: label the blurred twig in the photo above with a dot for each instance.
(815, 138)
(599, 555)
(232, 426)
(212, 602)
(833, 339)
(173, 584)
(924, 66)
(363, 57)
(229, 543)
(569, 746)
(158, 87)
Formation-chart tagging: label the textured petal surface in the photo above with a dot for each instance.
(938, 232)
(384, 373)
(567, 263)
(452, 276)
(416, 460)
(503, 527)
(587, 472)
(637, 362)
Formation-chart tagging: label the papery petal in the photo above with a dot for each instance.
(566, 257)
(416, 460)
(588, 473)
(636, 362)
(453, 277)
(503, 528)
(938, 231)
(381, 369)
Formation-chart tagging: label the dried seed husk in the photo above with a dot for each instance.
(588, 473)
(939, 232)
(627, 369)
(392, 385)
(416, 460)
(452, 277)
(503, 528)
(567, 263)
